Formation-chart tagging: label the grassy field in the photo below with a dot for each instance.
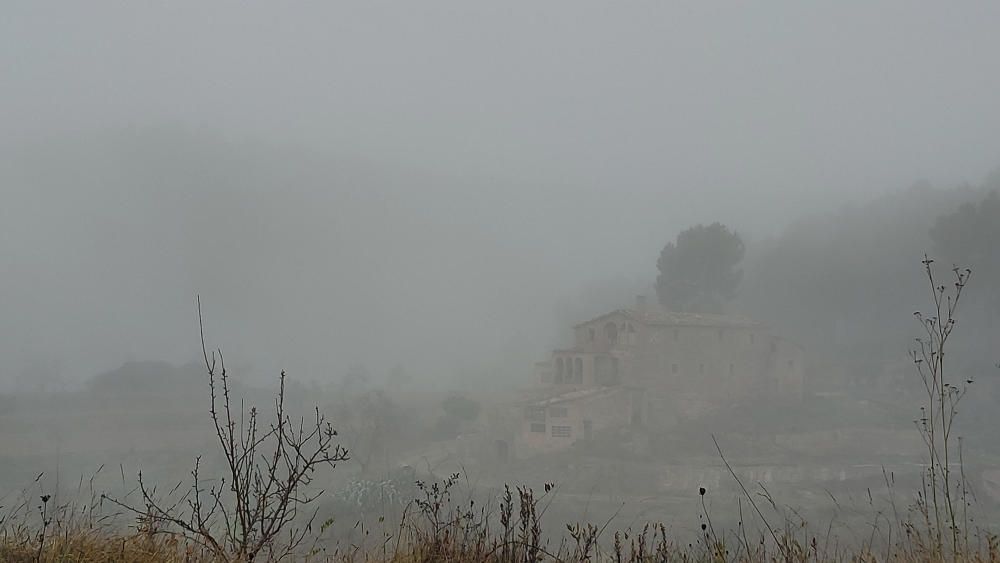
(440, 525)
(865, 517)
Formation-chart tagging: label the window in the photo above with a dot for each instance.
(558, 412)
(579, 370)
(559, 370)
(593, 333)
(791, 364)
(751, 339)
(732, 369)
(720, 334)
(677, 335)
(774, 347)
(538, 427)
(536, 414)
(673, 369)
(562, 431)
(579, 378)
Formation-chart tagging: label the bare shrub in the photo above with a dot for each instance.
(258, 507)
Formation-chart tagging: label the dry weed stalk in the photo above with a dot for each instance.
(940, 493)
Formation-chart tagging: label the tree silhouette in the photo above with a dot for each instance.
(698, 272)
(969, 235)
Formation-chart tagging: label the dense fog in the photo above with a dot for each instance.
(352, 184)
(406, 204)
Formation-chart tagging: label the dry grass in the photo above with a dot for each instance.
(89, 547)
(435, 528)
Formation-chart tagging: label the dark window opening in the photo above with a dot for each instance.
(562, 431)
(593, 334)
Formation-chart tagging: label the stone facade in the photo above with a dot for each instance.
(557, 422)
(652, 367)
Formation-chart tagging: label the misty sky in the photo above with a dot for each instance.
(431, 183)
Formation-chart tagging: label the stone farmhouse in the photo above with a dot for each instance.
(650, 368)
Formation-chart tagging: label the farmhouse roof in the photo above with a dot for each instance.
(579, 394)
(675, 318)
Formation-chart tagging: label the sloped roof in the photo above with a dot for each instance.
(657, 317)
(578, 394)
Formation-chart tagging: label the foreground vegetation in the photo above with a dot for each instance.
(261, 508)
(436, 528)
